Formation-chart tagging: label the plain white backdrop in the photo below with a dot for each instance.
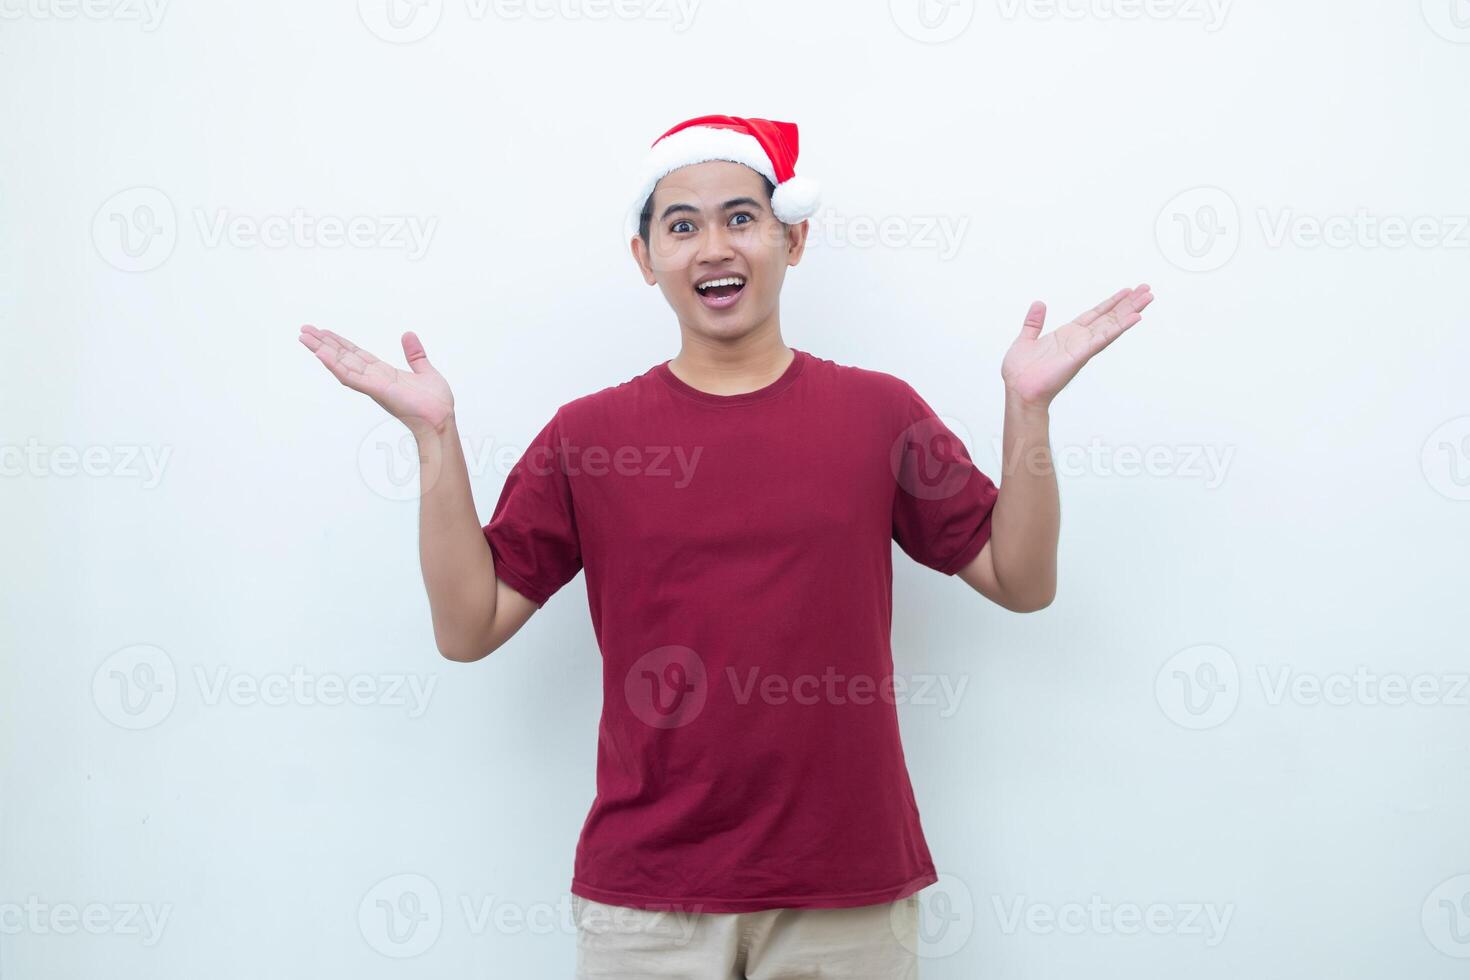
(1234, 746)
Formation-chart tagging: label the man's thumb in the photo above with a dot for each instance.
(418, 361)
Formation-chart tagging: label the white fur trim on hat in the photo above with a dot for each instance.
(793, 201)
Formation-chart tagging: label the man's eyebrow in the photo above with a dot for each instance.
(741, 202)
(674, 208)
(734, 202)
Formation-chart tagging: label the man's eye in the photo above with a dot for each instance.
(679, 227)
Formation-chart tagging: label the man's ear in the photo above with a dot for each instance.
(796, 241)
(640, 255)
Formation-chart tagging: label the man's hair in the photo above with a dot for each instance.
(645, 220)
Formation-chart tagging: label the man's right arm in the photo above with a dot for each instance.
(474, 612)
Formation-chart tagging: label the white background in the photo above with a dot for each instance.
(1079, 149)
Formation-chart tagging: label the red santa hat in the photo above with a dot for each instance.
(764, 145)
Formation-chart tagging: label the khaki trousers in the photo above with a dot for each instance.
(870, 942)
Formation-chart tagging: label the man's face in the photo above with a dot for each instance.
(713, 221)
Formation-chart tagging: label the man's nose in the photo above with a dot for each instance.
(714, 244)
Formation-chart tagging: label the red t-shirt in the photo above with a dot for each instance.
(739, 574)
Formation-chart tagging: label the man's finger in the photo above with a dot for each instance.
(1102, 307)
(1128, 312)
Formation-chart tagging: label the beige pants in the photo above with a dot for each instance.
(871, 942)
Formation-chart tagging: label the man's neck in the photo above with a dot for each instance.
(734, 368)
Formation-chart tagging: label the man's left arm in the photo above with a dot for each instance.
(1017, 568)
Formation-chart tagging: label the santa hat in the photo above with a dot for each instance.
(763, 145)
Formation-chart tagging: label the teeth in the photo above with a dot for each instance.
(728, 281)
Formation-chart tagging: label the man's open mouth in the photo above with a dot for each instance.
(720, 293)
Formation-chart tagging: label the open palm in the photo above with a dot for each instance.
(1037, 367)
(419, 396)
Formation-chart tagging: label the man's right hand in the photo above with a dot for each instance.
(418, 397)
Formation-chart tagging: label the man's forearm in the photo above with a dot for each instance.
(459, 572)
(1026, 522)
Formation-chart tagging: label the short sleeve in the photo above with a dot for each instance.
(533, 531)
(943, 502)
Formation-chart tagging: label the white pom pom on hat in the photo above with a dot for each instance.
(766, 146)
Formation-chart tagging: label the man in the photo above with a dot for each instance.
(733, 509)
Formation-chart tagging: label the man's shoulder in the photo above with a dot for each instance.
(606, 403)
(862, 381)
